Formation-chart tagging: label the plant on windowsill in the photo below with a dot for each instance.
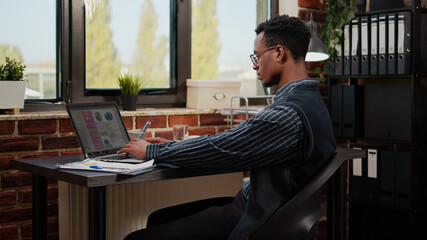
(12, 84)
(339, 13)
(130, 86)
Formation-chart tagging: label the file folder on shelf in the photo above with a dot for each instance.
(355, 47)
(356, 179)
(364, 46)
(336, 109)
(404, 43)
(391, 53)
(331, 64)
(372, 180)
(382, 45)
(387, 178)
(338, 60)
(374, 45)
(403, 180)
(346, 53)
(352, 111)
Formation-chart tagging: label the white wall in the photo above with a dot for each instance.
(289, 7)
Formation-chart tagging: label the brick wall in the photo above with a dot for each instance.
(55, 137)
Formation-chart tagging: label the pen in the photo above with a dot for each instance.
(144, 129)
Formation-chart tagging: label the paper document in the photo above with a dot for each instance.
(114, 167)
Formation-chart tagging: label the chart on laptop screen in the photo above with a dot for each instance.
(99, 129)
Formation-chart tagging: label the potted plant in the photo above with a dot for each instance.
(130, 86)
(12, 84)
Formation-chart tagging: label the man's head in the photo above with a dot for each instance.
(287, 31)
(279, 50)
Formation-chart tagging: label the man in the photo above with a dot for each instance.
(284, 145)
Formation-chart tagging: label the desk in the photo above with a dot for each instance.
(96, 182)
(43, 168)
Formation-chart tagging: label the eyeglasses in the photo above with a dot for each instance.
(255, 56)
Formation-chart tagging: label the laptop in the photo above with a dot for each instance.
(100, 130)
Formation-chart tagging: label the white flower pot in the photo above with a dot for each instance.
(12, 94)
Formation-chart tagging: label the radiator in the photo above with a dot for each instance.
(128, 205)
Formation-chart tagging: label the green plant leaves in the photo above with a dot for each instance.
(12, 70)
(130, 85)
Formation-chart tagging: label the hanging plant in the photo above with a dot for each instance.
(339, 13)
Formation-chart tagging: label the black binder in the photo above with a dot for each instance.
(372, 182)
(387, 178)
(355, 46)
(352, 110)
(382, 44)
(357, 175)
(364, 45)
(336, 109)
(346, 51)
(403, 178)
(404, 43)
(391, 42)
(374, 45)
(338, 60)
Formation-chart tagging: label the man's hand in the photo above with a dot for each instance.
(137, 147)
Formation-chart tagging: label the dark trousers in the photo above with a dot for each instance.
(206, 219)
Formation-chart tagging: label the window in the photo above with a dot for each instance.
(217, 52)
(34, 44)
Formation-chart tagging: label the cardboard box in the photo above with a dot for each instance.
(211, 94)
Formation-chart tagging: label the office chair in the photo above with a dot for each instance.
(295, 218)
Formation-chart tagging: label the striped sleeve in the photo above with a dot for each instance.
(272, 136)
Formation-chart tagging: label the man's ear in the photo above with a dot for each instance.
(282, 54)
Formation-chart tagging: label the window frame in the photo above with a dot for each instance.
(71, 60)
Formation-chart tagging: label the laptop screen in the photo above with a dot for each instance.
(99, 128)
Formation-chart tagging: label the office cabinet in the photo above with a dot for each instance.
(386, 103)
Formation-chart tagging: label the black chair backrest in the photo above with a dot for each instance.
(296, 217)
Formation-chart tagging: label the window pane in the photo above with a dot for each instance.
(127, 36)
(222, 40)
(28, 33)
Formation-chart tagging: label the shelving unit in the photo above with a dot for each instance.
(388, 118)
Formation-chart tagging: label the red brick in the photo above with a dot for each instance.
(60, 142)
(27, 228)
(313, 65)
(8, 197)
(41, 154)
(19, 144)
(15, 214)
(7, 127)
(223, 129)
(16, 179)
(212, 119)
(167, 135)
(318, 16)
(25, 196)
(191, 120)
(65, 125)
(128, 121)
(37, 126)
(201, 131)
(72, 153)
(309, 3)
(52, 209)
(9, 232)
(156, 122)
(52, 193)
(5, 162)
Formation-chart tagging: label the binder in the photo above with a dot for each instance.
(352, 110)
(372, 180)
(374, 45)
(355, 47)
(382, 45)
(331, 64)
(387, 178)
(403, 178)
(346, 53)
(338, 60)
(391, 41)
(356, 179)
(364, 46)
(336, 109)
(404, 43)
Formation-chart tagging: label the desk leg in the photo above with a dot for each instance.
(39, 207)
(97, 213)
(336, 206)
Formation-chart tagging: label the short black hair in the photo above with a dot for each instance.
(286, 31)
